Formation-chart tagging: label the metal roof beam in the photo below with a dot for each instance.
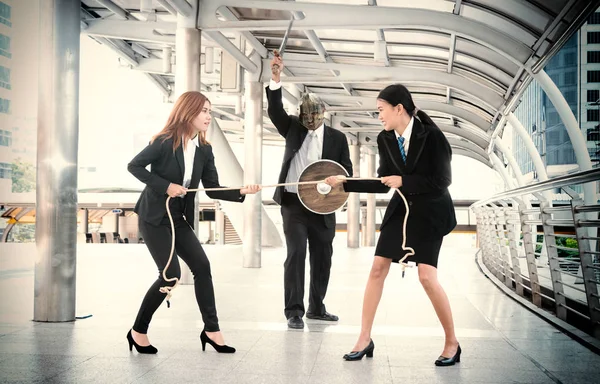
(132, 30)
(369, 74)
(319, 16)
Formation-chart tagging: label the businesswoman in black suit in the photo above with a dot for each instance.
(415, 157)
(179, 157)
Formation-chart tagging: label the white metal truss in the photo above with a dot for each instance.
(465, 62)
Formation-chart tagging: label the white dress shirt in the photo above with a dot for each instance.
(300, 159)
(406, 134)
(188, 156)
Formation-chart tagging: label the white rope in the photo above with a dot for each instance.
(168, 290)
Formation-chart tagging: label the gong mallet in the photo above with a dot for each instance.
(279, 52)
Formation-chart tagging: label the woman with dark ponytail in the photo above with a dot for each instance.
(414, 156)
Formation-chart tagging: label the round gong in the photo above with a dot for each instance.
(322, 198)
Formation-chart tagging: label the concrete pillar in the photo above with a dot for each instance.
(370, 228)
(187, 78)
(58, 136)
(353, 226)
(253, 126)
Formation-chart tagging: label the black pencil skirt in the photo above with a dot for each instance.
(389, 245)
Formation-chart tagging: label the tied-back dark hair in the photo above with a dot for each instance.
(398, 94)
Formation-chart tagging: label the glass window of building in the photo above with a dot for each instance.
(593, 76)
(594, 18)
(5, 14)
(593, 134)
(5, 46)
(593, 37)
(570, 78)
(593, 95)
(593, 56)
(571, 96)
(593, 115)
(571, 58)
(5, 171)
(5, 138)
(4, 106)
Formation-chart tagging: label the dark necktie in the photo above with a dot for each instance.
(401, 146)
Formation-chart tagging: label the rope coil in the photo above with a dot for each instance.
(169, 289)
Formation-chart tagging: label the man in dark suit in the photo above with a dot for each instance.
(307, 140)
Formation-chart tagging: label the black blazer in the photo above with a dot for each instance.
(335, 144)
(426, 177)
(167, 167)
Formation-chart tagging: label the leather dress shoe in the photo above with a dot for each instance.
(358, 355)
(324, 317)
(448, 361)
(295, 322)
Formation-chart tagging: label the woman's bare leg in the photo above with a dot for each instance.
(429, 280)
(373, 292)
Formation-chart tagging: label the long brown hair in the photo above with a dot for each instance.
(187, 107)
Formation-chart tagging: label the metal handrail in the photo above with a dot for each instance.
(557, 182)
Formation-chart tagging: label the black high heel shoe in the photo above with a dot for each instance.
(149, 349)
(358, 355)
(219, 348)
(448, 361)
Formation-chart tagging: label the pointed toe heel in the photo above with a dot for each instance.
(219, 348)
(149, 349)
(358, 355)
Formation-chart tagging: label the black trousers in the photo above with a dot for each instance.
(187, 246)
(300, 225)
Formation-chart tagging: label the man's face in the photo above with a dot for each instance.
(312, 112)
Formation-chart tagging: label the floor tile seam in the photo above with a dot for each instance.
(314, 363)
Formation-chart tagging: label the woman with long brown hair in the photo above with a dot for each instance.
(180, 157)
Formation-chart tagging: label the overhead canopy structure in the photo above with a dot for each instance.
(465, 62)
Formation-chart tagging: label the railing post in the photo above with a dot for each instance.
(528, 244)
(555, 275)
(504, 244)
(587, 270)
(512, 246)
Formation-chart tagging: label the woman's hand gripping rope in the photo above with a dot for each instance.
(393, 182)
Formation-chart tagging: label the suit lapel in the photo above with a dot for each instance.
(180, 161)
(394, 151)
(326, 153)
(196, 171)
(417, 143)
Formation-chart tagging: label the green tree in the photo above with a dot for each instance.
(23, 176)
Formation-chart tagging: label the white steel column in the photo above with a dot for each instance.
(511, 161)
(498, 165)
(187, 54)
(253, 127)
(540, 168)
(57, 143)
(353, 212)
(370, 232)
(187, 78)
(575, 135)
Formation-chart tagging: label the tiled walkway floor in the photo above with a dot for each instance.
(502, 342)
